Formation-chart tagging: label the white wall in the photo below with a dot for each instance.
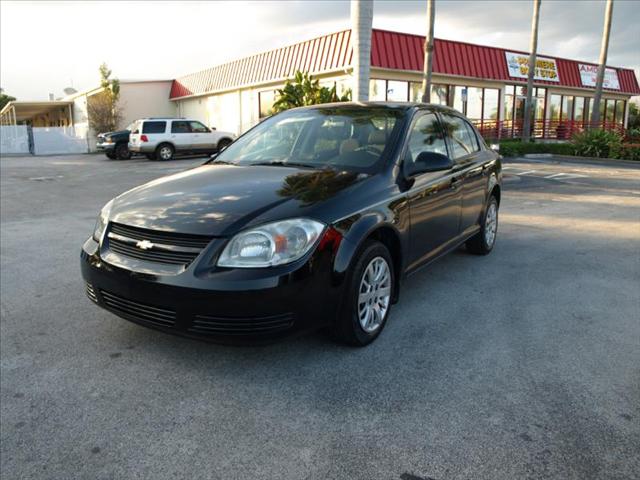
(193, 108)
(58, 140)
(145, 99)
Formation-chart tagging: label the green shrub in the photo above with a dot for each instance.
(629, 153)
(633, 134)
(515, 148)
(597, 143)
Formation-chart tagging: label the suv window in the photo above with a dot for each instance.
(180, 127)
(426, 136)
(154, 127)
(463, 138)
(197, 127)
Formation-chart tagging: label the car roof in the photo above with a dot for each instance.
(391, 105)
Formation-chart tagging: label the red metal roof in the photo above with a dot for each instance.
(391, 50)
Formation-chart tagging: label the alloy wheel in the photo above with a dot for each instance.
(374, 294)
(491, 224)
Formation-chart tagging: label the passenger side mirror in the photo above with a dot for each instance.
(495, 147)
(430, 162)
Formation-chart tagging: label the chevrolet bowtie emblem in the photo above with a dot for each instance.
(144, 244)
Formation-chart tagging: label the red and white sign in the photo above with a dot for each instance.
(589, 75)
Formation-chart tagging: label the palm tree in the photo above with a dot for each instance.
(604, 49)
(306, 91)
(428, 52)
(361, 21)
(526, 126)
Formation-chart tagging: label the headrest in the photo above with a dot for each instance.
(348, 145)
(377, 137)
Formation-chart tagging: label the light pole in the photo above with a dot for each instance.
(533, 48)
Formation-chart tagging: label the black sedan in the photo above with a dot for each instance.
(313, 218)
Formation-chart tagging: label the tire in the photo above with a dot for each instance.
(110, 155)
(165, 152)
(150, 156)
(223, 144)
(348, 326)
(482, 242)
(122, 151)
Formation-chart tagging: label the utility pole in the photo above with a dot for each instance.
(604, 49)
(533, 49)
(361, 21)
(428, 52)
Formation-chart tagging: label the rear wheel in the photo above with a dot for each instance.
(110, 155)
(482, 243)
(122, 151)
(368, 303)
(164, 152)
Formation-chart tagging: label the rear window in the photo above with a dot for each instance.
(154, 127)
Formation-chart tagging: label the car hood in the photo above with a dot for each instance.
(111, 134)
(219, 200)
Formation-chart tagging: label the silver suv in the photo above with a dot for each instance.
(162, 138)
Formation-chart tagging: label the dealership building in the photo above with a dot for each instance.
(488, 84)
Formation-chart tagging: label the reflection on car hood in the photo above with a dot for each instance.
(219, 200)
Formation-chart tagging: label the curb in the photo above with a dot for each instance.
(576, 159)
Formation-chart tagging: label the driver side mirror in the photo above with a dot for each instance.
(430, 162)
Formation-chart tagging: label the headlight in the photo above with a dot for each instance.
(102, 220)
(271, 244)
(108, 140)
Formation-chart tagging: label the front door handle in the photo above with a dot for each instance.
(455, 182)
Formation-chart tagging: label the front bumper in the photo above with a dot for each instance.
(244, 306)
(104, 146)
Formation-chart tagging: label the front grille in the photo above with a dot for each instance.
(91, 293)
(140, 312)
(213, 325)
(165, 247)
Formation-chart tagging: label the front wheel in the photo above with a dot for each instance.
(122, 151)
(368, 303)
(482, 242)
(164, 152)
(222, 144)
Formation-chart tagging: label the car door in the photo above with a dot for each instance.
(202, 137)
(181, 135)
(435, 200)
(470, 162)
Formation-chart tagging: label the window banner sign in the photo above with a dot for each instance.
(518, 65)
(589, 75)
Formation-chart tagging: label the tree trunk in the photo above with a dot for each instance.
(428, 52)
(361, 21)
(595, 113)
(533, 49)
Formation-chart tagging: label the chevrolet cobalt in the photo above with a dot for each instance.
(313, 218)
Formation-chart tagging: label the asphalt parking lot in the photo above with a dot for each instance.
(524, 364)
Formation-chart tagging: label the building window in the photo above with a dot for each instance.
(620, 107)
(377, 90)
(578, 109)
(490, 102)
(415, 92)
(610, 111)
(266, 100)
(474, 103)
(555, 107)
(397, 91)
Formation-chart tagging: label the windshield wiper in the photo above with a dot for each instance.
(280, 163)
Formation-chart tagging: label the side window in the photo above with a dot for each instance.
(154, 127)
(197, 127)
(461, 134)
(426, 136)
(180, 127)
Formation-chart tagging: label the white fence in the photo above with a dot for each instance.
(23, 140)
(14, 139)
(58, 140)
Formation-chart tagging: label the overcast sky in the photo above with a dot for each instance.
(47, 46)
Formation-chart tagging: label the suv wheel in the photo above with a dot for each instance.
(164, 151)
(482, 243)
(122, 151)
(370, 289)
(223, 144)
(110, 155)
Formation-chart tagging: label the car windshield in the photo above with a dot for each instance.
(340, 138)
